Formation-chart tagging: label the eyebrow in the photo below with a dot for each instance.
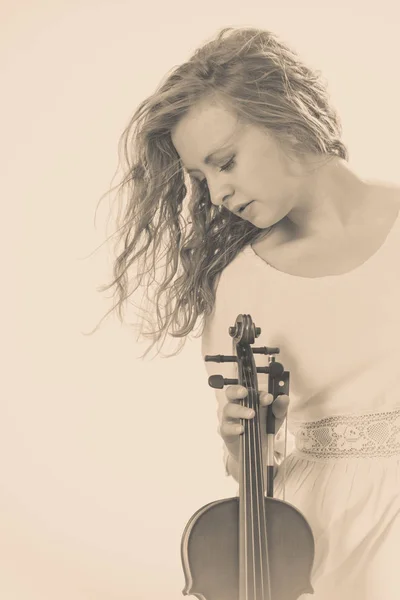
(211, 157)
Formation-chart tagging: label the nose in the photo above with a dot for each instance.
(221, 195)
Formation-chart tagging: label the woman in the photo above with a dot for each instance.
(237, 174)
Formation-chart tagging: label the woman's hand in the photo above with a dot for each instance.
(230, 427)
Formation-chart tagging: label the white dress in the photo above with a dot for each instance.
(339, 337)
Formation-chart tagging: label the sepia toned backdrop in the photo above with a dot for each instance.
(103, 456)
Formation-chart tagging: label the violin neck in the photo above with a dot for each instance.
(251, 467)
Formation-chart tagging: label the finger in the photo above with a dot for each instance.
(234, 392)
(265, 398)
(237, 411)
(229, 429)
(281, 402)
(280, 406)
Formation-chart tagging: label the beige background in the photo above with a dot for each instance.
(105, 457)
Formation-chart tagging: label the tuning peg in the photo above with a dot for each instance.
(218, 381)
(275, 369)
(262, 369)
(219, 358)
(265, 350)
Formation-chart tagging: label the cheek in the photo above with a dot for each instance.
(266, 170)
(266, 183)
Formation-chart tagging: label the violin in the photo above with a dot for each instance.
(254, 546)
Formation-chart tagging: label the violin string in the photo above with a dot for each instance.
(244, 499)
(249, 480)
(250, 488)
(253, 475)
(255, 442)
(260, 498)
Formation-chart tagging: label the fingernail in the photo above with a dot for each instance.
(250, 412)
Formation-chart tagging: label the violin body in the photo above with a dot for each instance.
(210, 550)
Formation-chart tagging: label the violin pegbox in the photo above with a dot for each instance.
(243, 334)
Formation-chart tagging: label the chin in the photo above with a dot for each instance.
(263, 215)
(261, 222)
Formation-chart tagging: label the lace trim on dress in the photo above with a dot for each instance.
(345, 436)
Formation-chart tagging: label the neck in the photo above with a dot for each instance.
(327, 199)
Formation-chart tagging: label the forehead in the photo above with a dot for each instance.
(205, 128)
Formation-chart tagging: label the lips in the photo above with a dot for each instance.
(240, 208)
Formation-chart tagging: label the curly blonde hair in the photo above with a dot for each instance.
(168, 215)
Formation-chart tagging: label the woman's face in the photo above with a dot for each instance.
(241, 163)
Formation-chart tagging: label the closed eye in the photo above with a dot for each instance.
(226, 167)
(229, 165)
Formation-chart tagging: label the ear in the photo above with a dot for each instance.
(290, 144)
(291, 140)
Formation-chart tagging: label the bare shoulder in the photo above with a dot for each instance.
(383, 204)
(385, 195)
